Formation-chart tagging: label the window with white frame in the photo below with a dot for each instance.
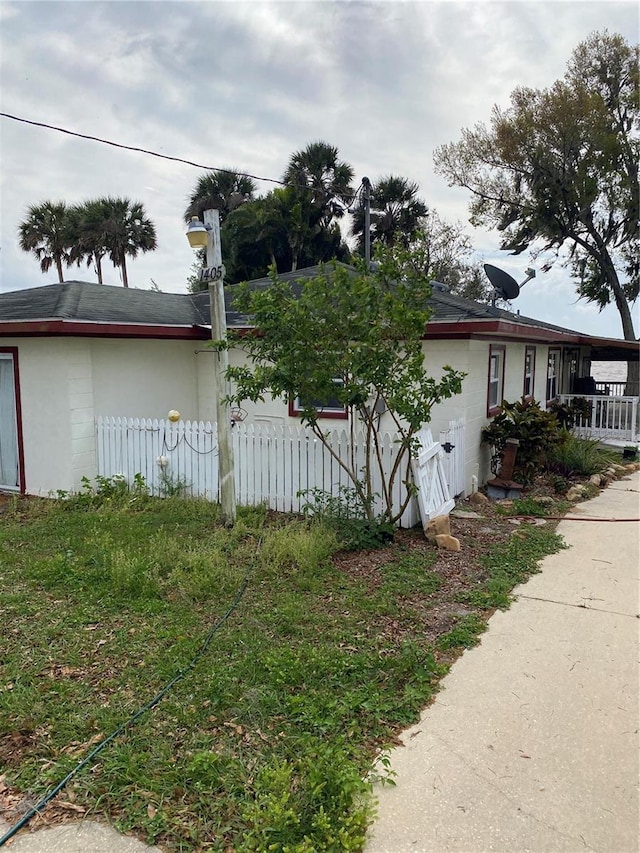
(529, 372)
(553, 374)
(495, 392)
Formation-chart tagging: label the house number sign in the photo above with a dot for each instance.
(212, 273)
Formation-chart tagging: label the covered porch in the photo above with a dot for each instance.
(613, 404)
(613, 418)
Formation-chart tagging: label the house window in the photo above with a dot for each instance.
(553, 374)
(495, 393)
(529, 372)
(329, 408)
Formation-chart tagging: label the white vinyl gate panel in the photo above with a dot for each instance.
(273, 464)
(428, 473)
(452, 442)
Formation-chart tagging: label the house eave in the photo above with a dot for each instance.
(104, 329)
(504, 330)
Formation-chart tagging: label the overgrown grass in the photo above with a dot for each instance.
(265, 744)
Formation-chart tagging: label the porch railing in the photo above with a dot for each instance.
(614, 389)
(611, 417)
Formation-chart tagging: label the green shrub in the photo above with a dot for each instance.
(346, 515)
(575, 456)
(568, 413)
(104, 491)
(536, 430)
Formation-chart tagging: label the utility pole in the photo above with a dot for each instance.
(366, 195)
(215, 271)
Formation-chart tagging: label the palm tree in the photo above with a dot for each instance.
(88, 224)
(45, 232)
(396, 212)
(222, 190)
(328, 178)
(127, 231)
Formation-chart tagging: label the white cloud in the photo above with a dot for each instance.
(245, 84)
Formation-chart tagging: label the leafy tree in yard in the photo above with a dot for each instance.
(396, 212)
(442, 251)
(352, 336)
(559, 170)
(45, 233)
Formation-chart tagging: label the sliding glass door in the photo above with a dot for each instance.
(9, 455)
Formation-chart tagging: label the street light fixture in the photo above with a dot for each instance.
(197, 234)
(207, 236)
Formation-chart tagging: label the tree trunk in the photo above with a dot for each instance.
(123, 267)
(99, 268)
(632, 387)
(59, 268)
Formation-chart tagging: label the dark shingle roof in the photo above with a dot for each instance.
(98, 303)
(90, 302)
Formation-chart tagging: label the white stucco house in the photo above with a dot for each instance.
(72, 352)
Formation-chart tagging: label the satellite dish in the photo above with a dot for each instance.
(505, 285)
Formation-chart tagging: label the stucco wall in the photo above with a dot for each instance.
(66, 382)
(469, 356)
(145, 378)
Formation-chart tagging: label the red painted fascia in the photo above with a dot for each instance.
(497, 329)
(72, 328)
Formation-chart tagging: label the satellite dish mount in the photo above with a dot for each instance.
(504, 285)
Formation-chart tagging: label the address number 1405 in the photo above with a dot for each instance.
(212, 273)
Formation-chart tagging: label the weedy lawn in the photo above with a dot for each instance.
(266, 741)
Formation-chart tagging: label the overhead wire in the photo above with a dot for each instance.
(151, 153)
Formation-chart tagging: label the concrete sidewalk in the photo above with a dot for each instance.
(85, 837)
(532, 744)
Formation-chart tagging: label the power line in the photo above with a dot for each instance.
(160, 156)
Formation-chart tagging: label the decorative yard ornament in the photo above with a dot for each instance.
(174, 415)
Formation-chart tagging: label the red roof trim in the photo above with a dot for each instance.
(495, 329)
(102, 330)
(499, 329)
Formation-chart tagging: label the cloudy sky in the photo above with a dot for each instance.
(245, 84)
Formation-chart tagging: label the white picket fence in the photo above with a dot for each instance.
(273, 464)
